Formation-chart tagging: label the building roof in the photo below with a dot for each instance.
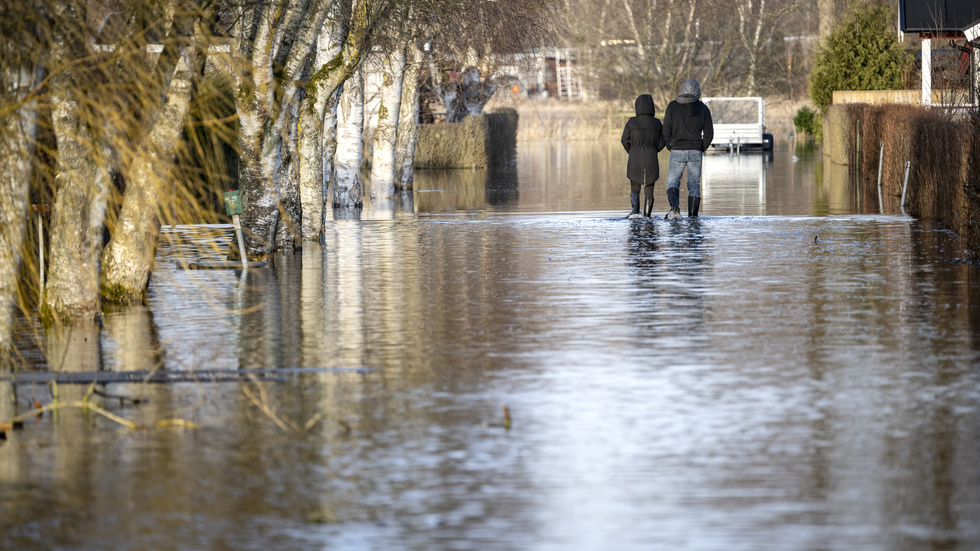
(939, 17)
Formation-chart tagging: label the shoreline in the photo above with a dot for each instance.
(551, 119)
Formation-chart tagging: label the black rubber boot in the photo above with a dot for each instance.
(690, 205)
(693, 204)
(673, 197)
(635, 203)
(647, 206)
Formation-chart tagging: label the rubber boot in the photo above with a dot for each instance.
(635, 203)
(673, 197)
(694, 203)
(647, 206)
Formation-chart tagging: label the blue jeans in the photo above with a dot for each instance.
(690, 159)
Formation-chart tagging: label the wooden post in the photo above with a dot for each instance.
(40, 209)
(241, 241)
(233, 206)
(926, 72)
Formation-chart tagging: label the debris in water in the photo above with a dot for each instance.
(13, 425)
(505, 425)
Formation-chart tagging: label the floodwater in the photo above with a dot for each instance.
(793, 371)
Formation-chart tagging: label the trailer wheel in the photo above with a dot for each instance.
(767, 142)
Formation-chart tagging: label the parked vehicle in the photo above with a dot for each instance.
(739, 123)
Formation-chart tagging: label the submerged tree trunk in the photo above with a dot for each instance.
(385, 133)
(408, 120)
(83, 183)
(318, 132)
(290, 214)
(350, 130)
(266, 107)
(17, 133)
(128, 258)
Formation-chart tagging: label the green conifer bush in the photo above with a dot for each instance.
(861, 53)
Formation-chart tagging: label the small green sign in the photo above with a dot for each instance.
(233, 202)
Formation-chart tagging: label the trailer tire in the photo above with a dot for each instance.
(767, 142)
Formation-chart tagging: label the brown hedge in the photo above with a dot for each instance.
(944, 150)
(475, 142)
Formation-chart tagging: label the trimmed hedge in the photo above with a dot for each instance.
(944, 178)
(476, 142)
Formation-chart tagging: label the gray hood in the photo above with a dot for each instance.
(690, 92)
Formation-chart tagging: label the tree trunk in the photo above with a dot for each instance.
(408, 120)
(318, 132)
(17, 133)
(128, 258)
(476, 91)
(264, 120)
(385, 133)
(288, 232)
(827, 13)
(83, 185)
(350, 129)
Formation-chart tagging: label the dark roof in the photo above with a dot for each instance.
(937, 16)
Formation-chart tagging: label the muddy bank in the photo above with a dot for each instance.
(942, 150)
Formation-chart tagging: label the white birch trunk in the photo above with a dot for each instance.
(386, 131)
(350, 131)
(640, 50)
(128, 259)
(83, 184)
(265, 123)
(290, 210)
(17, 133)
(318, 133)
(408, 120)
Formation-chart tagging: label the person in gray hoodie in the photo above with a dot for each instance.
(688, 131)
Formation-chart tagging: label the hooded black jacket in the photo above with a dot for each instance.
(687, 121)
(643, 137)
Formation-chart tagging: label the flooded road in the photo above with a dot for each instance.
(789, 372)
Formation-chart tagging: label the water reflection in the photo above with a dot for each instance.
(496, 187)
(782, 381)
(734, 183)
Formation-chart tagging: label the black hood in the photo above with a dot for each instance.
(644, 105)
(690, 92)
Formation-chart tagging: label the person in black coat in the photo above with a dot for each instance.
(688, 130)
(643, 137)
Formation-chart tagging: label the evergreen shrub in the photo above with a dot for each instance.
(861, 53)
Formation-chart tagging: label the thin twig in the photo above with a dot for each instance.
(262, 403)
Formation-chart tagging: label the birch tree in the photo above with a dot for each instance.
(128, 258)
(318, 129)
(385, 132)
(347, 159)
(652, 46)
(18, 127)
(408, 119)
(82, 181)
(753, 17)
(472, 37)
(268, 101)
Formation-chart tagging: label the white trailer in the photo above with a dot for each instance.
(738, 123)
